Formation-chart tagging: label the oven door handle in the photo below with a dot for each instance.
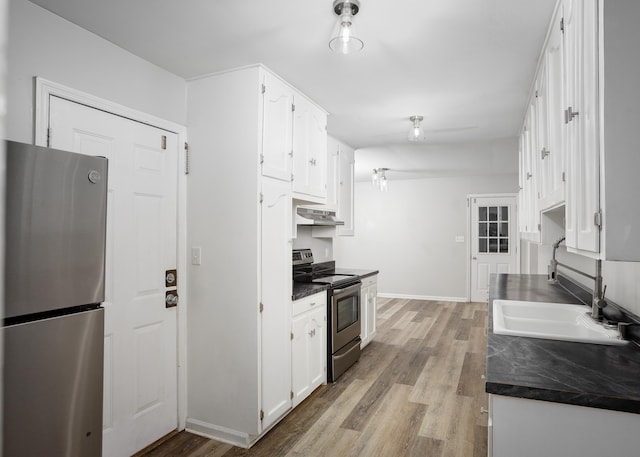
(337, 291)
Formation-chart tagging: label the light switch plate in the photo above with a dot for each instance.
(196, 256)
(460, 239)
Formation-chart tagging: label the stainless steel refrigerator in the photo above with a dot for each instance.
(53, 325)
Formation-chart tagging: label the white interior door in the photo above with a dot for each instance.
(493, 241)
(140, 378)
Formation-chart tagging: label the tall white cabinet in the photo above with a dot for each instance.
(579, 151)
(242, 146)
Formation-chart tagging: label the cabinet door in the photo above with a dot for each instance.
(333, 174)
(276, 299)
(345, 200)
(364, 310)
(300, 382)
(317, 347)
(277, 128)
(554, 161)
(309, 149)
(309, 351)
(581, 124)
(372, 303)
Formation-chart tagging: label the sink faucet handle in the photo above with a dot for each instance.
(623, 330)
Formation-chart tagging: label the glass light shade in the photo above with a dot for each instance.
(415, 132)
(343, 40)
(374, 177)
(384, 186)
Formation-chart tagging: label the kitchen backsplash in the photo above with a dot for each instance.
(322, 248)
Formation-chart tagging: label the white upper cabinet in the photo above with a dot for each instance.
(345, 211)
(551, 96)
(587, 117)
(581, 125)
(309, 151)
(277, 128)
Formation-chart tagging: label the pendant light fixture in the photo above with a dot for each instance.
(379, 179)
(342, 39)
(416, 133)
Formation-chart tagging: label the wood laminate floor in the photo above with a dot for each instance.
(416, 391)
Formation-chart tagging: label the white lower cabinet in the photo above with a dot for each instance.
(368, 303)
(533, 428)
(308, 346)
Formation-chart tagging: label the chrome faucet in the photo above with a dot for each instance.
(598, 303)
(552, 275)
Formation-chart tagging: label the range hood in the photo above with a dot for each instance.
(313, 216)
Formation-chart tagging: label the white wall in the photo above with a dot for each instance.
(322, 248)
(43, 44)
(409, 233)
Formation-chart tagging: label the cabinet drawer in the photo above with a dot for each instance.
(309, 303)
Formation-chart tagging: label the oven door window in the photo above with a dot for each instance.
(347, 311)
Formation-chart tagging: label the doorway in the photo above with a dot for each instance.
(493, 240)
(142, 342)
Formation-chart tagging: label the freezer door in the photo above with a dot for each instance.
(52, 396)
(55, 229)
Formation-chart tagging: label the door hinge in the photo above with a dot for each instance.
(539, 227)
(186, 158)
(261, 414)
(261, 197)
(264, 88)
(536, 94)
(562, 25)
(49, 137)
(564, 176)
(292, 335)
(261, 307)
(597, 219)
(261, 159)
(293, 108)
(292, 394)
(163, 142)
(291, 177)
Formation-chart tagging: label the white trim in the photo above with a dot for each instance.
(44, 90)
(423, 297)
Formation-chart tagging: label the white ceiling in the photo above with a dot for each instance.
(465, 65)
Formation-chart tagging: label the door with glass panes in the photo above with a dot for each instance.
(493, 241)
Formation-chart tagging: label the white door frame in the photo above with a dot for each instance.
(470, 219)
(45, 89)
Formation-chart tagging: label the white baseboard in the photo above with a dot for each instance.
(215, 432)
(423, 297)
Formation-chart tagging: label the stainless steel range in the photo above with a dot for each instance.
(343, 310)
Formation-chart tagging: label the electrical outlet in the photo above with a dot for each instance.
(460, 239)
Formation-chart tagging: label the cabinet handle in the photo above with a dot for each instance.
(529, 175)
(569, 114)
(312, 333)
(312, 303)
(313, 162)
(483, 410)
(544, 153)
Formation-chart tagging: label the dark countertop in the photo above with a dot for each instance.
(356, 272)
(304, 289)
(594, 375)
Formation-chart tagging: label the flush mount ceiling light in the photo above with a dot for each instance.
(342, 39)
(416, 133)
(379, 179)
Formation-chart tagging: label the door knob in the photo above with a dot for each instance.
(171, 299)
